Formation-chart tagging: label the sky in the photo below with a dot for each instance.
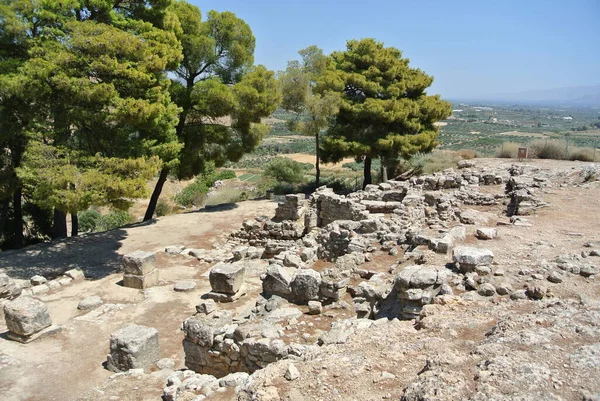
(474, 49)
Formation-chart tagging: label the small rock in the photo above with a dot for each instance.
(184, 286)
(291, 373)
(486, 290)
(518, 294)
(536, 292)
(37, 280)
(486, 233)
(90, 302)
(587, 271)
(206, 307)
(165, 363)
(504, 288)
(315, 307)
(555, 277)
(174, 249)
(75, 274)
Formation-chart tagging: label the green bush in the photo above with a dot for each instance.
(162, 208)
(114, 219)
(88, 220)
(193, 194)
(285, 170)
(224, 175)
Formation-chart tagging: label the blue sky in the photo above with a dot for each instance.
(472, 48)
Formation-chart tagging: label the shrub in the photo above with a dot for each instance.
(193, 194)
(163, 208)
(432, 162)
(508, 150)
(114, 219)
(466, 154)
(226, 195)
(88, 220)
(224, 175)
(582, 154)
(285, 170)
(549, 149)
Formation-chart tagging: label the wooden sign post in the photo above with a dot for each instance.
(522, 153)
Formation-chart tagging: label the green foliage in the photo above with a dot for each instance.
(225, 175)
(93, 221)
(114, 219)
(163, 208)
(284, 170)
(192, 195)
(221, 95)
(88, 220)
(384, 109)
(69, 181)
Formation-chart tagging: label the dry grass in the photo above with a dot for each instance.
(582, 154)
(508, 150)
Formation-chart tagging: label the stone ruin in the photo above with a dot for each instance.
(139, 270)
(27, 319)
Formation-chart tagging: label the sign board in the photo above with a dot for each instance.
(522, 153)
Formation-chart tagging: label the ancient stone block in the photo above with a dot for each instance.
(139, 263)
(278, 280)
(26, 316)
(133, 347)
(141, 281)
(468, 257)
(306, 285)
(227, 278)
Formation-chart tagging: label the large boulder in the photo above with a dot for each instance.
(26, 316)
(278, 280)
(133, 347)
(468, 258)
(227, 278)
(306, 285)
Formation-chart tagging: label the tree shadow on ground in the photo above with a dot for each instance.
(95, 254)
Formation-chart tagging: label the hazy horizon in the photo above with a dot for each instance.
(473, 49)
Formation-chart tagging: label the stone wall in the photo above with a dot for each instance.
(214, 345)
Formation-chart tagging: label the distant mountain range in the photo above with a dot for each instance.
(584, 96)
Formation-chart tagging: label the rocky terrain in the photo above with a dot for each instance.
(477, 283)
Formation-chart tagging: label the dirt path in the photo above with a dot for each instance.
(65, 366)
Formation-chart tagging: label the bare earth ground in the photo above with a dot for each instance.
(68, 365)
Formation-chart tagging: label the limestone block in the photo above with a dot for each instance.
(306, 285)
(139, 263)
(133, 347)
(26, 316)
(227, 278)
(141, 281)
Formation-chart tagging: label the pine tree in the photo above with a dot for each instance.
(385, 110)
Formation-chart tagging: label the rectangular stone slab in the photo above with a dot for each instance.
(139, 263)
(26, 316)
(133, 347)
(141, 281)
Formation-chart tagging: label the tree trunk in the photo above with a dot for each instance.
(59, 230)
(367, 172)
(162, 178)
(18, 217)
(384, 173)
(317, 166)
(4, 214)
(74, 225)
